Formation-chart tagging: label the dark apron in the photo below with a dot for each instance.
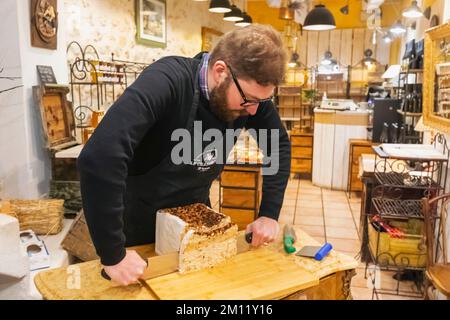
(164, 186)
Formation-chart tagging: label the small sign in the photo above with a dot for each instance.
(46, 74)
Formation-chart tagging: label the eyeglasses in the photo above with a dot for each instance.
(247, 102)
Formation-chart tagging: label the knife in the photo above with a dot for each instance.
(289, 239)
(168, 263)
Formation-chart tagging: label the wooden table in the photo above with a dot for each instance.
(331, 278)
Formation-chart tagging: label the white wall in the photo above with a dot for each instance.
(107, 24)
(25, 164)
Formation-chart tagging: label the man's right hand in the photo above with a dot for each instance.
(127, 271)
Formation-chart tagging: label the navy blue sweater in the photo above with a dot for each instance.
(134, 136)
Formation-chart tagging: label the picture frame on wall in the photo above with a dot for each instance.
(44, 24)
(151, 22)
(210, 37)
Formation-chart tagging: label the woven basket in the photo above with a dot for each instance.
(5, 208)
(42, 216)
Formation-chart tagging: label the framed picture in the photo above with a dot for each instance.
(46, 74)
(210, 37)
(151, 23)
(44, 24)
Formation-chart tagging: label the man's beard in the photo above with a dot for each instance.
(218, 103)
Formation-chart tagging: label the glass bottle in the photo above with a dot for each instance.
(419, 101)
(394, 133)
(401, 136)
(414, 100)
(384, 137)
(409, 103)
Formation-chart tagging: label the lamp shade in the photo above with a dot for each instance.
(326, 60)
(368, 60)
(234, 15)
(387, 38)
(319, 19)
(246, 20)
(294, 58)
(219, 6)
(398, 28)
(286, 13)
(413, 11)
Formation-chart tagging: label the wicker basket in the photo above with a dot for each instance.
(42, 216)
(78, 240)
(5, 208)
(408, 252)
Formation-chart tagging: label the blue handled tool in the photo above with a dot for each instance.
(318, 253)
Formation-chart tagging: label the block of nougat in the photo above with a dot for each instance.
(202, 236)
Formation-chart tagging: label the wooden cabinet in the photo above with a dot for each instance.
(240, 193)
(302, 152)
(357, 147)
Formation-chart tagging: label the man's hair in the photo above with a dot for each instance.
(254, 53)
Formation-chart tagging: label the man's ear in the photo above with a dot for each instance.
(219, 71)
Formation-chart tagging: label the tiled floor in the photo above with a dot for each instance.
(329, 215)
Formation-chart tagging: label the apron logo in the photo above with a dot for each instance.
(219, 146)
(204, 161)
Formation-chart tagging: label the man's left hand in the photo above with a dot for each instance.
(264, 230)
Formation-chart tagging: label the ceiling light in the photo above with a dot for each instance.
(234, 15)
(319, 19)
(368, 60)
(286, 13)
(387, 38)
(219, 6)
(413, 11)
(398, 28)
(246, 21)
(326, 60)
(294, 58)
(344, 10)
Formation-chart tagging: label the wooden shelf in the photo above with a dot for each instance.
(289, 95)
(305, 118)
(410, 114)
(413, 71)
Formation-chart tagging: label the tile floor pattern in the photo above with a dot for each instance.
(329, 215)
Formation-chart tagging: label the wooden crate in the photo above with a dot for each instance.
(78, 241)
(57, 117)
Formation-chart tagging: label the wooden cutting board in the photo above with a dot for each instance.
(255, 274)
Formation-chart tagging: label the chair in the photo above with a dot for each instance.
(437, 228)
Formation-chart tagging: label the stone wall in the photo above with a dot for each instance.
(110, 26)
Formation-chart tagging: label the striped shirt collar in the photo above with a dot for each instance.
(204, 76)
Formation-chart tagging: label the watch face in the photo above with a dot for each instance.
(46, 20)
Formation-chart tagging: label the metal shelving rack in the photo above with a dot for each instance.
(96, 83)
(294, 108)
(399, 185)
(409, 118)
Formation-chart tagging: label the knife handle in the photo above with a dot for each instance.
(105, 275)
(249, 237)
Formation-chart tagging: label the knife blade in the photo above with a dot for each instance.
(168, 263)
